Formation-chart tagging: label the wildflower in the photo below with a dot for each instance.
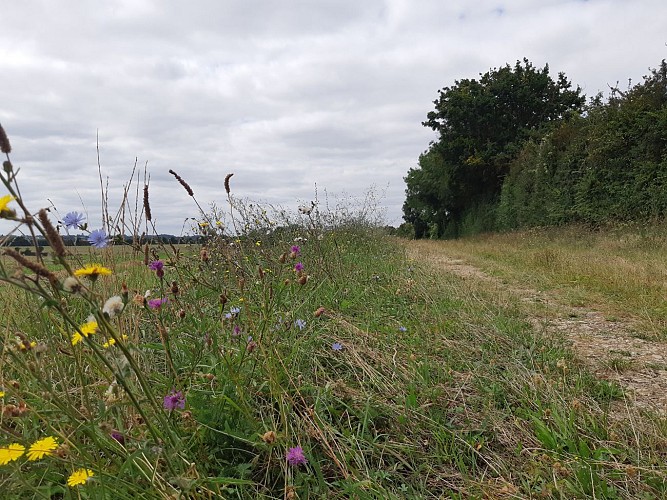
(173, 400)
(158, 267)
(157, 303)
(84, 331)
(11, 453)
(4, 211)
(79, 476)
(72, 285)
(269, 437)
(113, 306)
(43, 447)
(298, 267)
(319, 312)
(300, 324)
(258, 243)
(295, 456)
(237, 331)
(118, 437)
(112, 342)
(295, 250)
(402, 329)
(73, 220)
(92, 271)
(337, 346)
(98, 238)
(2, 394)
(26, 345)
(235, 310)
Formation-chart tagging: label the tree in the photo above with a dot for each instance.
(482, 124)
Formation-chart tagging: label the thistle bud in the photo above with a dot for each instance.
(319, 311)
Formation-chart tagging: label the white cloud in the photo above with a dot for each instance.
(285, 95)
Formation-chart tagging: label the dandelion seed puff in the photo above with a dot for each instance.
(113, 306)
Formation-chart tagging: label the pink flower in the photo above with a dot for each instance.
(157, 303)
(298, 267)
(174, 400)
(158, 267)
(295, 456)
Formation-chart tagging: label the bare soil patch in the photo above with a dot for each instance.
(612, 349)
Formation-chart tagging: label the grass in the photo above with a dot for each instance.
(619, 270)
(298, 359)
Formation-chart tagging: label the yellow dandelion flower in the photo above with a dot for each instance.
(4, 201)
(80, 476)
(11, 453)
(85, 330)
(92, 271)
(30, 345)
(112, 342)
(2, 394)
(43, 447)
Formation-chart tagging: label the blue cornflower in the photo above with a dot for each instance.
(235, 310)
(337, 346)
(98, 238)
(73, 220)
(402, 329)
(301, 324)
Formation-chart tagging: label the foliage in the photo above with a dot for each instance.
(609, 165)
(482, 125)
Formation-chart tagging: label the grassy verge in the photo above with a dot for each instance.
(405, 385)
(619, 270)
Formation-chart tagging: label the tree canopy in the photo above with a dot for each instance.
(482, 125)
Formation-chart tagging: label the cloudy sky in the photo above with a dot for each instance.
(286, 95)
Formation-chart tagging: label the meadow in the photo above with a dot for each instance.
(303, 355)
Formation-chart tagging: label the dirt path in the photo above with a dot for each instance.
(612, 349)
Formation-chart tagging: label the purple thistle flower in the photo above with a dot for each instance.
(337, 346)
(301, 324)
(237, 331)
(118, 437)
(73, 220)
(295, 456)
(298, 267)
(158, 267)
(98, 238)
(173, 400)
(157, 303)
(296, 250)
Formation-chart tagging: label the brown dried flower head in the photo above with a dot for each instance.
(5, 147)
(185, 185)
(227, 189)
(147, 206)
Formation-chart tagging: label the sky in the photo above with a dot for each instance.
(299, 99)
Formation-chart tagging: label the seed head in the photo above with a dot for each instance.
(227, 189)
(52, 235)
(185, 185)
(147, 206)
(5, 147)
